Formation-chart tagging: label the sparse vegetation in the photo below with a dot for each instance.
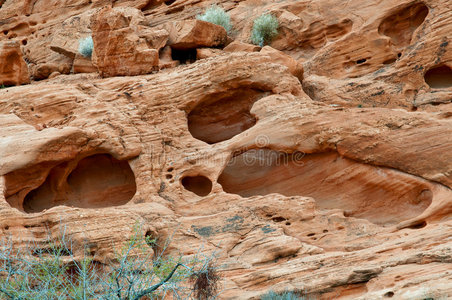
(265, 28)
(205, 283)
(216, 15)
(86, 46)
(55, 272)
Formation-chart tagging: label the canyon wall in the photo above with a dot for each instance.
(320, 164)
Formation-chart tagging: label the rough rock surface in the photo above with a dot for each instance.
(83, 64)
(295, 67)
(13, 69)
(119, 50)
(336, 184)
(65, 39)
(237, 46)
(194, 34)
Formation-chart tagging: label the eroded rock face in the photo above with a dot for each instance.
(295, 67)
(218, 117)
(13, 69)
(83, 65)
(95, 181)
(237, 46)
(382, 196)
(118, 47)
(66, 39)
(384, 43)
(401, 23)
(191, 34)
(336, 183)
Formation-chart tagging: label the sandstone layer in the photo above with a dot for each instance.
(319, 164)
(13, 70)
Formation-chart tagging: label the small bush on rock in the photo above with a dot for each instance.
(205, 283)
(86, 46)
(218, 16)
(265, 28)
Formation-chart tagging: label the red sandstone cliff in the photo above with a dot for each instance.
(321, 164)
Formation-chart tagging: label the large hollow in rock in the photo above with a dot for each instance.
(96, 181)
(380, 195)
(401, 24)
(439, 77)
(224, 115)
(200, 185)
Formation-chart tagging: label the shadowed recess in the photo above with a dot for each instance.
(150, 5)
(221, 116)
(97, 181)
(184, 56)
(335, 31)
(439, 77)
(380, 195)
(401, 24)
(200, 185)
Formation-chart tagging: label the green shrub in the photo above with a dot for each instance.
(284, 296)
(53, 271)
(86, 46)
(265, 28)
(216, 15)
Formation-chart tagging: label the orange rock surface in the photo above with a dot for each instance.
(13, 70)
(320, 164)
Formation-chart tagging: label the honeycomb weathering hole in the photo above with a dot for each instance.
(224, 115)
(97, 181)
(200, 185)
(380, 195)
(439, 77)
(401, 24)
